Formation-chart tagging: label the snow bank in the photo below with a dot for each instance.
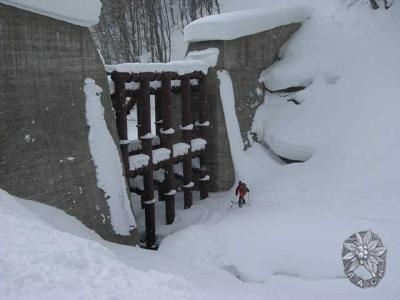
(233, 25)
(195, 61)
(80, 12)
(270, 129)
(105, 156)
(39, 262)
(290, 236)
(347, 114)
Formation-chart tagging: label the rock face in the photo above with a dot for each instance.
(44, 149)
(244, 58)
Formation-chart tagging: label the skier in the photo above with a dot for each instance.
(375, 5)
(242, 190)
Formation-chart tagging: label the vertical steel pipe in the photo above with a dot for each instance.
(167, 135)
(187, 129)
(147, 148)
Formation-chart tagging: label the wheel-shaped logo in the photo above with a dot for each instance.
(364, 250)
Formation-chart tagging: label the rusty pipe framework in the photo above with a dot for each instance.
(164, 130)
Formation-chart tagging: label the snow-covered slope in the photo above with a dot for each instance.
(46, 253)
(348, 58)
(80, 12)
(40, 262)
(287, 243)
(346, 128)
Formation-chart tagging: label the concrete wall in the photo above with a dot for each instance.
(43, 64)
(244, 58)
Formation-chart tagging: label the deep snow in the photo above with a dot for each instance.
(39, 261)
(195, 61)
(346, 129)
(287, 243)
(109, 171)
(233, 25)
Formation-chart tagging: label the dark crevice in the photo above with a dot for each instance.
(292, 89)
(294, 101)
(290, 161)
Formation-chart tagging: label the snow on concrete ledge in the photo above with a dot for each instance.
(79, 12)
(105, 156)
(208, 56)
(234, 25)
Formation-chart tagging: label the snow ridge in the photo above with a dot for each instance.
(108, 165)
(40, 262)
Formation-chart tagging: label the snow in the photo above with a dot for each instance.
(170, 193)
(347, 124)
(135, 145)
(195, 61)
(180, 67)
(233, 25)
(161, 154)
(187, 127)
(167, 131)
(124, 142)
(205, 178)
(287, 243)
(189, 185)
(109, 171)
(80, 12)
(138, 161)
(289, 239)
(198, 144)
(180, 149)
(208, 56)
(147, 136)
(68, 261)
(152, 201)
(205, 124)
(267, 124)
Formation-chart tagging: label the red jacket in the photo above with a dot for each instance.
(242, 190)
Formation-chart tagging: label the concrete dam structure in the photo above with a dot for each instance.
(45, 151)
(44, 147)
(244, 58)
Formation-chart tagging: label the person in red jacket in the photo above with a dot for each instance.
(242, 190)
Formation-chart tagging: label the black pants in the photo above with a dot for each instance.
(241, 201)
